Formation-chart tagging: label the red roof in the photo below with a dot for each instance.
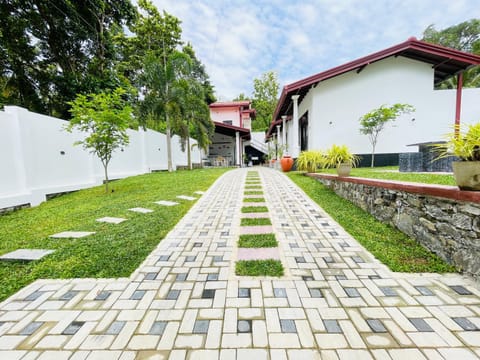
(446, 61)
(230, 104)
(230, 130)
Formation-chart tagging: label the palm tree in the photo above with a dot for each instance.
(162, 81)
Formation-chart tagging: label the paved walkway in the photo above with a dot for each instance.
(185, 302)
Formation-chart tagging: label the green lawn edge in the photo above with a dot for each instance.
(268, 267)
(388, 244)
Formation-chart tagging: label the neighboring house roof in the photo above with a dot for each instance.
(230, 130)
(230, 104)
(446, 61)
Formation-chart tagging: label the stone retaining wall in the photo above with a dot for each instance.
(441, 218)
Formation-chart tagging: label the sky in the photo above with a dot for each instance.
(239, 40)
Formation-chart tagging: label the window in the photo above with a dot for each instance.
(228, 122)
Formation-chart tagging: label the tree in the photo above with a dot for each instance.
(162, 91)
(464, 37)
(198, 74)
(264, 99)
(52, 50)
(105, 118)
(196, 115)
(373, 122)
(241, 97)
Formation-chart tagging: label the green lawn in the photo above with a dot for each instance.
(257, 241)
(267, 267)
(254, 209)
(391, 173)
(115, 250)
(255, 221)
(387, 244)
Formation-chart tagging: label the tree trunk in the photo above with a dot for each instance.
(169, 145)
(373, 156)
(105, 166)
(189, 154)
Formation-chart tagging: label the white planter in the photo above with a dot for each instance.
(467, 174)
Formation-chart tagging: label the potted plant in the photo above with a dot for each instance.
(464, 143)
(310, 160)
(340, 157)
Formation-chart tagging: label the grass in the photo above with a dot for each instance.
(254, 209)
(391, 173)
(115, 250)
(253, 193)
(257, 241)
(389, 245)
(267, 267)
(255, 221)
(254, 200)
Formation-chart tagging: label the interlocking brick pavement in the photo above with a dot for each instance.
(336, 301)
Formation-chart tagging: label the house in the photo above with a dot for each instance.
(233, 138)
(324, 109)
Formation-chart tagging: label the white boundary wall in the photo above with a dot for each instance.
(37, 157)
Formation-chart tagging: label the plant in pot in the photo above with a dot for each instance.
(310, 161)
(464, 143)
(341, 158)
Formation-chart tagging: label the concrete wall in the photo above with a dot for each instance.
(226, 113)
(334, 107)
(37, 157)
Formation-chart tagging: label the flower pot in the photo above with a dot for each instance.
(467, 174)
(344, 169)
(286, 162)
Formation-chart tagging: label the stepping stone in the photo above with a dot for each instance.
(166, 203)
(258, 253)
(72, 234)
(200, 192)
(141, 210)
(185, 197)
(111, 220)
(256, 229)
(26, 254)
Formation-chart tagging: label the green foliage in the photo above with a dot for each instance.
(241, 97)
(463, 142)
(339, 154)
(114, 250)
(253, 193)
(104, 118)
(257, 241)
(51, 51)
(267, 267)
(373, 122)
(264, 99)
(254, 209)
(310, 161)
(255, 221)
(464, 37)
(389, 245)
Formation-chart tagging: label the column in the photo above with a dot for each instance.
(237, 148)
(295, 151)
(284, 134)
(279, 145)
(458, 102)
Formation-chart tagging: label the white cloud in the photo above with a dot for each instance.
(239, 40)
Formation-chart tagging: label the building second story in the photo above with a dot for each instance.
(236, 113)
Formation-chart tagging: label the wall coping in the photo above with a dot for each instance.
(444, 191)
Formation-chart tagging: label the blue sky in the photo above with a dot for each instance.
(240, 40)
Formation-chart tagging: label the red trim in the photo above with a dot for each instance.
(230, 104)
(458, 104)
(448, 192)
(420, 47)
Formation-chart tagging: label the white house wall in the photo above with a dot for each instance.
(37, 157)
(342, 100)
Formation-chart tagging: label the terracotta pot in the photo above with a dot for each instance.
(467, 174)
(344, 169)
(286, 162)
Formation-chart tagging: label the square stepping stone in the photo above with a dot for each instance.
(72, 234)
(201, 326)
(141, 210)
(280, 292)
(185, 197)
(69, 295)
(31, 328)
(244, 326)
(166, 203)
(212, 277)
(26, 255)
(34, 296)
(376, 326)
(208, 294)
(461, 290)
(102, 295)
(173, 295)
(150, 276)
(288, 326)
(243, 292)
(332, 326)
(158, 327)
(111, 220)
(465, 324)
(421, 325)
(73, 328)
(115, 328)
(181, 277)
(424, 290)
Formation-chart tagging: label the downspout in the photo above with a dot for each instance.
(458, 104)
